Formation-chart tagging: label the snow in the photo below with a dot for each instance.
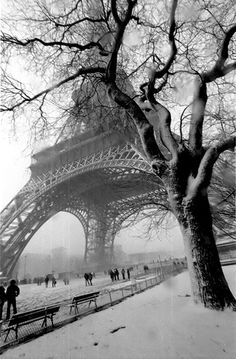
(161, 322)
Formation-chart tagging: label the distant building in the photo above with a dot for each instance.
(119, 255)
(147, 257)
(60, 260)
(32, 265)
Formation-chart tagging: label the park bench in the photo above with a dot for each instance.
(84, 298)
(31, 316)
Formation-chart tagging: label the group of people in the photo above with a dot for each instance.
(10, 297)
(88, 278)
(13, 290)
(115, 274)
(46, 280)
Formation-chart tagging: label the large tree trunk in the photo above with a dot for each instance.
(208, 282)
(186, 178)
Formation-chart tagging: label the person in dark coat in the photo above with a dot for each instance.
(117, 274)
(3, 299)
(12, 292)
(123, 273)
(54, 282)
(128, 273)
(46, 280)
(112, 275)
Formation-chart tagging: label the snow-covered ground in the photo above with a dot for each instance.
(160, 323)
(34, 296)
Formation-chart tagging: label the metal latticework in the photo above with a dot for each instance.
(101, 180)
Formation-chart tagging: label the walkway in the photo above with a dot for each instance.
(160, 323)
(109, 295)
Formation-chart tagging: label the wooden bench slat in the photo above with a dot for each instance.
(31, 316)
(22, 317)
(84, 298)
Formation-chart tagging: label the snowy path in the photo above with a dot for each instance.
(160, 323)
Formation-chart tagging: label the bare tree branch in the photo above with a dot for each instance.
(28, 99)
(173, 52)
(163, 119)
(200, 97)
(56, 20)
(205, 169)
(121, 26)
(197, 117)
(219, 69)
(8, 39)
(224, 50)
(163, 115)
(115, 13)
(158, 74)
(145, 129)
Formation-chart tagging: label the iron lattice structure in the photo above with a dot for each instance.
(100, 178)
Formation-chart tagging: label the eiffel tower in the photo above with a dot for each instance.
(101, 178)
(99, 174)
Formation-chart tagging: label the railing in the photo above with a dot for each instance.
(108, 297)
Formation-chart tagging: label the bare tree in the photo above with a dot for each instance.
(179, 58)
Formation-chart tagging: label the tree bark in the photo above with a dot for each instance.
(208, 282)
(186, 177)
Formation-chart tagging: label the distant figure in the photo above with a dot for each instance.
(88, 278)
(128, 273)
(145, 268)
(12, 292)
(3, 299)
(46, 280)
(66, 281)
(91, 278)
(39, 281)
(54, 282)
(123, 273)
(117, 274)
(112, 275)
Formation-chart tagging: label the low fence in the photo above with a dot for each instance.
(107, 297)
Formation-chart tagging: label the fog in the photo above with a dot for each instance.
(65, 230)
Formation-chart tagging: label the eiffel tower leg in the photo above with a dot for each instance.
(86, 233)
(104, 240)
(96, 238)
(114, 228)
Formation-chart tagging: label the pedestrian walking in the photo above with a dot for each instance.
(117, 274)
(54, 282)
(3, 299)
(123, 273)
(12, 292)
(128, 273)
(46, 280)
(112, 275)
(88, 278)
